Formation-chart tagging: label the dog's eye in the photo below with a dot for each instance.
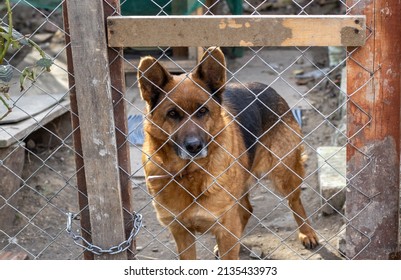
(202, 111)
(173, 114)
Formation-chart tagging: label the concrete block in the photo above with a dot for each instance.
(332, 174)
(256, 253)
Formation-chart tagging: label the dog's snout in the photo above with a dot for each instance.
(193, 145)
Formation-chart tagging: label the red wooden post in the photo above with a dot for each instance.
(373, 153)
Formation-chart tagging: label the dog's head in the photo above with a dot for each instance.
(183, 110)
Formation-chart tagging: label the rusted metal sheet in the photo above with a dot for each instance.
(176, 31)
(373, 152)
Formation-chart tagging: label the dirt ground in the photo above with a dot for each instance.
(50, 191)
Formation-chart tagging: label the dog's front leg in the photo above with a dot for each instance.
(185, 241)
(228, 235)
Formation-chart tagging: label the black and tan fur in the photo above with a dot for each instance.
(205, 144)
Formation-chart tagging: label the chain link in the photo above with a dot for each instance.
(123, 246)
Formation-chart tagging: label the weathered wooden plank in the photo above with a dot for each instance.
(95, 108)
(76, 137)
(11, 133)
(117, 78)
(29, 106)
(231, 31)
(178, 66)
(13, 256)
(373, 152)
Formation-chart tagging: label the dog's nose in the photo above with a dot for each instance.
(193, 145)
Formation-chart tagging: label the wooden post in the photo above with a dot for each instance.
(373, 155)
(98, 137)
(79, 162)
(117, 77)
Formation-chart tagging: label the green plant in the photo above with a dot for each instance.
(10, 38)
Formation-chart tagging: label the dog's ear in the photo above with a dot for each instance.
(152, 77)
(212, 70)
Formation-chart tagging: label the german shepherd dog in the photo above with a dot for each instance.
(207, 142)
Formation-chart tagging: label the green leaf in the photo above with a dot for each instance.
(5, 36)
(45, 63)
(27, 73)
(22, 79)
(15, 45)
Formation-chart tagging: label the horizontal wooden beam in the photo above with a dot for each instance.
(231, 31)
(178, 66)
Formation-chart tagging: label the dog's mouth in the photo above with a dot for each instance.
(192, 148)
(186, 155)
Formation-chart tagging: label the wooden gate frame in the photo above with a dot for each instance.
(104, 168)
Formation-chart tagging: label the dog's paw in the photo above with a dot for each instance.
(309, 240)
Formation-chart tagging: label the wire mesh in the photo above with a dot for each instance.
(312, 81)
(41, 160)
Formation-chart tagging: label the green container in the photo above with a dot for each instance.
(163, 7)
(142, 7)
(235, 6)
(146, 7)
(128, 7)
(40, 4)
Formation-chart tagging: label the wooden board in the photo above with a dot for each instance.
(29, 106)
(11, 133)
(96, 119)
(178, 66)
(232, 31)
(76, 137)
(13, 256)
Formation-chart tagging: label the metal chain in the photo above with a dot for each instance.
(137, 219)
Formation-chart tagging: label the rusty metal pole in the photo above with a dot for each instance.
(373, 152)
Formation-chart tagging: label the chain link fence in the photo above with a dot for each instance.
(41, 203)
(38, 185)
